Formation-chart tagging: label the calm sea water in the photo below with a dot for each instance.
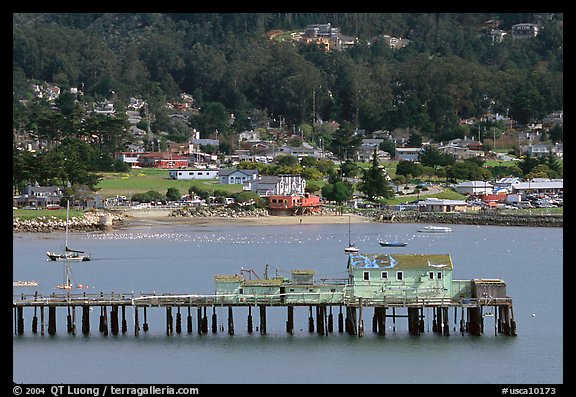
(184, 259)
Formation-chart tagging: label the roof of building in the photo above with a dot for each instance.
(400, 261)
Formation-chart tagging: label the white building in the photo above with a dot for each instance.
(474, 187)
(184, 174)
(232, 176)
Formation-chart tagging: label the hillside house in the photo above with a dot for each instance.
(232, 176)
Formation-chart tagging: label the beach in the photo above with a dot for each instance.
(161, 217)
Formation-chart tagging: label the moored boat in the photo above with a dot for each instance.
(435, 229)
(392, 244)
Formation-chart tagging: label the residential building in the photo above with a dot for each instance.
(408, 154)
(163, 160)
(234, 176)
(284, 184)
(525, 30)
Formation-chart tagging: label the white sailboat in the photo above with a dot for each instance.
(68, 254)
(351, 247)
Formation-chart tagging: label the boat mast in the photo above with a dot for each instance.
(67, 210)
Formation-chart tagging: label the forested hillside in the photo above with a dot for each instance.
(450, 70)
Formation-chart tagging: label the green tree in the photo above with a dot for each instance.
(173, 194)
(375, 182)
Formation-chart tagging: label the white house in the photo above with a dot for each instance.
(284, 184)
(233, 176)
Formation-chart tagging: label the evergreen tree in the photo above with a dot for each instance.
(375, 182)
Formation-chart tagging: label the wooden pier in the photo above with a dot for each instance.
(418, 287)
(467, 315)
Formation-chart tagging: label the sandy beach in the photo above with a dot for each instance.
(161, 217)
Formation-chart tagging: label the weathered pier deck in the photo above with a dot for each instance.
(390, 286)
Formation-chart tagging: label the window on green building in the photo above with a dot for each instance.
(399, 276)
(366, 276)
(384, 275)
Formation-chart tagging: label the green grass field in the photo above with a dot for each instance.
(143, 180)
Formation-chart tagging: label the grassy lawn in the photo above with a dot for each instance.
(59, 214)
(143, 180)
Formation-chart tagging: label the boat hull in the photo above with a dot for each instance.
(392, 244)
(67, 257)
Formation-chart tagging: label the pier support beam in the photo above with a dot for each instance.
(136, 322)
(204, 322)
(145, 324)
(310, 320)
(413, 321)
(51, 320)
(262, 320)
(178, 321)
(20, 320)
(169, 320)
(124, 323)
(250, 324)
(474, 319)
(230, 321)
(85, 319)
(189, 321)
(214, 320)
(290, 321)
(114, 319)
(199, 319)
(330, 321)
(340, 321)
(35, 322)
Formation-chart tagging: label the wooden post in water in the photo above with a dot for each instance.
(199, 319)
(421, 323)
(73, 320)
(330, 321)
(290, 321)
(168, 320)
(310, 320)
(114, 319)
(85, 319)
(230, 321)
(145, 324)
(204, 322)
(42, 320)
(474, 321)
(51, 320)
(413, 326)
(262, 319)
(20, 321)
(250, 325)
(68, 321)
(35, 322)
(512, 322)
(446, 321)
(189, 321)
(340, 320)
(178, 321)
(360, 321)
(124, 323)
(214, 320)
(136, 321)
(394, 319)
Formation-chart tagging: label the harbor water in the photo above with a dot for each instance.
(183, 259)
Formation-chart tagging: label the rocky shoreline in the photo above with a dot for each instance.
(90, 221)
(467, 218)
(93, 221)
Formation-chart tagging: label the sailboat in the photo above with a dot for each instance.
(68, 254)
(351, 247)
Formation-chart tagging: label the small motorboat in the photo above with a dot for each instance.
(435, 229)
(392, 243)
